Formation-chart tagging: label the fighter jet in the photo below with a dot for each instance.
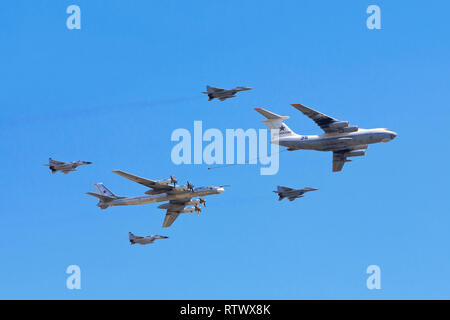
(292, 194)
(223, 94)
(64, 167)
(179, 197)
(144, 240)
(343, 140)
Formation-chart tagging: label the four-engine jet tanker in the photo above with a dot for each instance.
(343, 140)
(292, 194)
(179, 197)
(223, 94)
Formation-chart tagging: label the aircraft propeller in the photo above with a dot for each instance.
(173, 180)
(198, 209)
(202, 202)
(190, 186)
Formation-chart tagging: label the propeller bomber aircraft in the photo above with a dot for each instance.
(179, 196)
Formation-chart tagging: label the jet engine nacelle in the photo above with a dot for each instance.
(338, 124)
(355, 153)
(350, 129)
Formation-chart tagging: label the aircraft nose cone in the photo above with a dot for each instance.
(220, 189)
(393, 135)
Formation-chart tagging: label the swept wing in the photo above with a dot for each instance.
(327, 123)
(174, 209)
(145, 182)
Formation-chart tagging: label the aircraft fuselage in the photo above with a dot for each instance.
(336, 141)
(174, 195)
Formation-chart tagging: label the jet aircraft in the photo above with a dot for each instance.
(179, 197)
(343, 140)
(144, 240)
(292, 194)
(64, 167)
(223, 94)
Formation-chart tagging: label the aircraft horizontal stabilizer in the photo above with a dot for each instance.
(270, 115)
(100, 196)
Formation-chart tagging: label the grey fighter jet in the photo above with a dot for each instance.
(64, 167)
(179, 197)
(343, 140)
(223, 94)
(144, 240)
(292, 194)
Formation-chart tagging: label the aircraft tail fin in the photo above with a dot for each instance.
(131, 237)
(209, 91)
(103, 190)
(103, 194)
(275, 124)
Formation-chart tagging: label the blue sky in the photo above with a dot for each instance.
(114, 91)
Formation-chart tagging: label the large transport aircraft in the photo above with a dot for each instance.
(343, 140)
